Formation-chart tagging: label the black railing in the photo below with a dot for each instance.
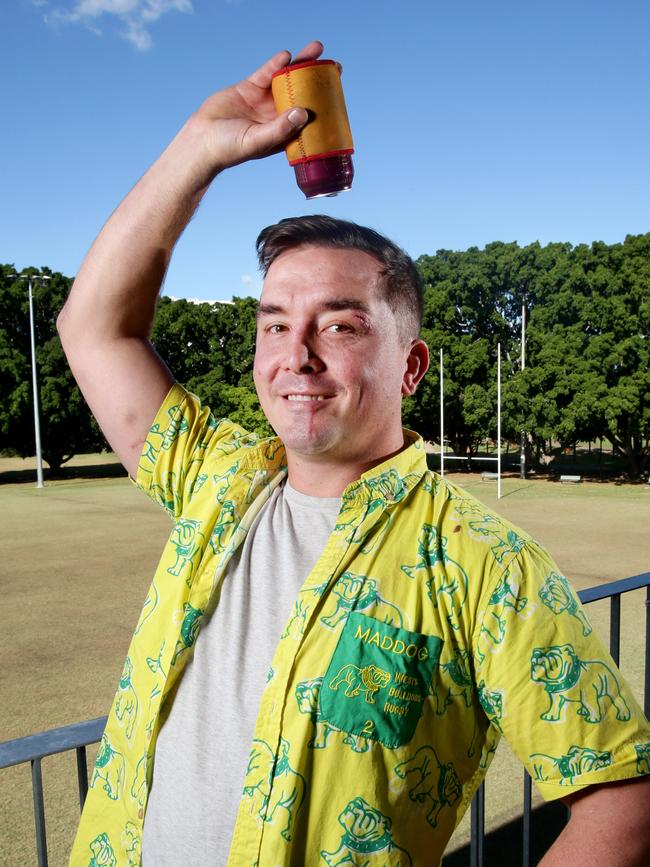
(77, 737)
(34, 748)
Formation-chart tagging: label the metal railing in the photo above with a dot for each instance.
(34, 748)
(77, 737)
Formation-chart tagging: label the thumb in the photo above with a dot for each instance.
(275, 133)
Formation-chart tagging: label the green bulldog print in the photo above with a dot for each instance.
(189, 630)
(154, 663)
(273, 450)
(162, 438)
(138, 790)
(274, 787)
(505, 596)
(109, 769)
(489, 748)
(450, 578)
(367, 680)
(384, 490)
(132, 845)
(489, 530)
(557, 595)
(302, 607)
(150, 605)
(177, 426)
(101, 852)
(504, 601)
(492, 703)
(187, 538)
(228, 444)
(642, 758)
(367, 534)
(222, 533)
(455, 681)
(575, 762)
(433, 783)
(221, 483)
(432, 485)
(360, 593)
(168, 494)
(366, 839)
(568, 679)
(307, 692)
(298, 618)
(197, 484)
(126, 701)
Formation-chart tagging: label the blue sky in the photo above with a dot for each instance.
(473, 122)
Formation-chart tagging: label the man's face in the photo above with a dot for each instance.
(330, 368)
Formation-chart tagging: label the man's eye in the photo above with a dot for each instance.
(339, 327)
(276, 328)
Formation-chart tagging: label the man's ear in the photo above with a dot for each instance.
(417, 364)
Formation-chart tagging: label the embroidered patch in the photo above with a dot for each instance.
(378, 680)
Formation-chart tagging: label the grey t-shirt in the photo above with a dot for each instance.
(204, 741)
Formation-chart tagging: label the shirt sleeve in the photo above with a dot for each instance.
(184, 433)
(549, 685)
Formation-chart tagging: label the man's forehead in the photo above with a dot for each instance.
(320, 275)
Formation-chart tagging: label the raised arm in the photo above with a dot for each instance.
(106, 321)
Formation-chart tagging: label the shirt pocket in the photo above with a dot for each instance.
(378, 680)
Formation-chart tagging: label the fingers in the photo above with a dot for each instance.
(265, 138)
(312, 51)
(262, 76)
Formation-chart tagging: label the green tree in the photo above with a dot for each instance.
(67, 427)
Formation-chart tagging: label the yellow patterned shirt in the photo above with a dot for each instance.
(428, 627)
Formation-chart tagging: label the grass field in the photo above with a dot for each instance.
(78, 557)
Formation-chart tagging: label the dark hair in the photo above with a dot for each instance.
(402, 284)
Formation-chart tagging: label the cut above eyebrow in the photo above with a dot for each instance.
(333, 305)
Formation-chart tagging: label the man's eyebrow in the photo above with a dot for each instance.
(347, 304)
(268, 310)
(333, 305)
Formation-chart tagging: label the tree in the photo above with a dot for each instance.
(66, 424)
(468, 307)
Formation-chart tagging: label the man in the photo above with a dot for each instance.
(367, 631)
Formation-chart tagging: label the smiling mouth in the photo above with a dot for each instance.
(305, 398)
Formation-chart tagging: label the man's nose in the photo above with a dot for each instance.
(301, 355)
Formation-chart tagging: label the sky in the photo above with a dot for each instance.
(473, 122)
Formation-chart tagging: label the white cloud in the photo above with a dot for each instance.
(250, 284)
(133, 16)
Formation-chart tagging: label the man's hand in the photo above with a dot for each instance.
(106, 321)
(240, 123)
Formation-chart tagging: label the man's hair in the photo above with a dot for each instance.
(401, 286)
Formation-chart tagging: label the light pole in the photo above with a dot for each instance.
(37, 422)
(522, 450)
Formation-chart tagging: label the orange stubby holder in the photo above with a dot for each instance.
(321, 154)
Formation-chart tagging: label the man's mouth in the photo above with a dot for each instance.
(306, 397)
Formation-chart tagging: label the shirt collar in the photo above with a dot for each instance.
(385, 483)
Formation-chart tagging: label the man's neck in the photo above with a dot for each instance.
(329, 478)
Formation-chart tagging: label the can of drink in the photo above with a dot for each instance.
(321, 155)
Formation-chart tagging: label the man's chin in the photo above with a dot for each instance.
(312, 444)
(305, 447)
